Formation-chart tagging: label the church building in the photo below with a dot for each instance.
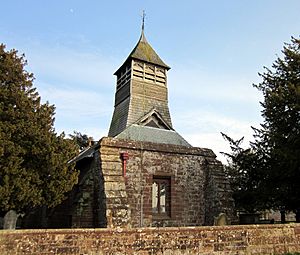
(144, 173)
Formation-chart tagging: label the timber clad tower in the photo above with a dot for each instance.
(141, 93)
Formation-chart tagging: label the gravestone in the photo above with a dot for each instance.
(221, 220)
(10, 220)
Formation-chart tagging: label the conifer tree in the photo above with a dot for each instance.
(278, 139)
(34, 167)
(273, 161)
(83, 141)
(245, 173)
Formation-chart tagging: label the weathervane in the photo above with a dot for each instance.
(143, 20)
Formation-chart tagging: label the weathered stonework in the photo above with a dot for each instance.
(106, 198)
(199, 189)
(228, 240)
(85, 205)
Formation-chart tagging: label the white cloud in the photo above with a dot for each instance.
(78, 100)
(203, 129)
(203, 105)
(215, 141)
(79, 68)
(194, 83)
(79, 83)
(82, 110)
(95, 133)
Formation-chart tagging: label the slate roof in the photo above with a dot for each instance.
(143, 51)
(87, 153)
(154, 135)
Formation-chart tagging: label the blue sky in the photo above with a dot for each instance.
(215, 50)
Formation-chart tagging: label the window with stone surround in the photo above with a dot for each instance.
(161, 196)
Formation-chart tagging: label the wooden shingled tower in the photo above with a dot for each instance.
(141, 96)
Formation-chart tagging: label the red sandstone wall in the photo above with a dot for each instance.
(263, 239)
(198, 185)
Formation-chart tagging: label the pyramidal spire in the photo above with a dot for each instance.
(143, 51)
(143, 38)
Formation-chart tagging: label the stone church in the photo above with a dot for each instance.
(144, 173)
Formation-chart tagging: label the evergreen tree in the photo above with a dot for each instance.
(246, 175)
(267, 175)
(279, 136)
(34, 167)
(82, 140)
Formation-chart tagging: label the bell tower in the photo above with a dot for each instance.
(141, 96)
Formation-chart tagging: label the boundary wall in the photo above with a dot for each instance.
(223, 240)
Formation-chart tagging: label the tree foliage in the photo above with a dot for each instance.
(279, 135)
(268, 172)
(246, 176)
(33, 158)
(82, 140)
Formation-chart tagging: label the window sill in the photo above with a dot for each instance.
(160, 217)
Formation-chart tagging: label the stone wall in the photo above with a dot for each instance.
(104, 197)
(199, 189)
(218, 194)
(85, 205)
(242, 240)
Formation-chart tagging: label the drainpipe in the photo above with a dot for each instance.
(124, 158)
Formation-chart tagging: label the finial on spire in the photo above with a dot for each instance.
(143, 38)
(143, 20)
